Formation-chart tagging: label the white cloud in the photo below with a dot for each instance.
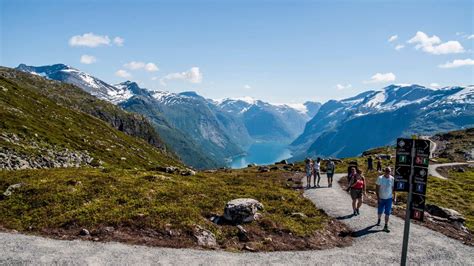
(399, 47)
(150, 67)
(154, 78)
(134, 65)
(342, 86)
(470, 37)
(381, 77)
(92, 40)
(433, 44)
(458, 63)
(393, 38)
(123, 74)
(247, 87)
(119, 41)
(89, 40)
(434, 85)
(193, 75)
(88, 59)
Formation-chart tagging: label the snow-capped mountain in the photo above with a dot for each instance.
(201, 136)
(265, 121)
(376, 118)
(88, 83)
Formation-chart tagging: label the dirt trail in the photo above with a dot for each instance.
(432, 168)
(371, 246)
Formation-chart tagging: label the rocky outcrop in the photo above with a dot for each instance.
(48, 158)
(204, 238)
(242, 210)
(446, 215)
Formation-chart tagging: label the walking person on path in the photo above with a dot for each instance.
(370, 164)
(384, 191)
(330, 169)
(357, 187)
(379, 165)
(316, 171)
(309, 171)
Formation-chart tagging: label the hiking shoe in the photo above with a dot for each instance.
(378, 222)
(385, 228)
(358, 212)
(355, 213)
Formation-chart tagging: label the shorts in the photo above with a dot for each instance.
(356, 193)
(384, 206)
(330, 175)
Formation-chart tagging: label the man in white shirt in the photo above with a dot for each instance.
(385, 184)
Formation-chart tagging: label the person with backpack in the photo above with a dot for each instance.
(316, 171)
(330, 169)
(309, 171)
(357, 188)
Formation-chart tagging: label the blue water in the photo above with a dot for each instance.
(262, 153)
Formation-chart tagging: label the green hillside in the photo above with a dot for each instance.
(43, 121)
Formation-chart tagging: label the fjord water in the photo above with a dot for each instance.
(262, 153)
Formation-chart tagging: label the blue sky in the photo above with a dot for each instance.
(278, 51)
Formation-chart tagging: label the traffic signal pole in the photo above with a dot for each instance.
(406, 230)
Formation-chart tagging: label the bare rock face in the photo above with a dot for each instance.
(205, 238)
(242, 210)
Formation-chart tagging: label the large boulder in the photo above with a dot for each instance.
(450, 214)
(242, 210)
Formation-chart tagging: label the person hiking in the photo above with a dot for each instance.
(330, 168)
(379, 165)
(309, 171)
(357, 187)
(384, 191)
(316, 171)
(370, 164)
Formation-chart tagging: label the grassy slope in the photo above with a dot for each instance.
(149, 202)
(75, 98)
(37, 119)
(453, 145)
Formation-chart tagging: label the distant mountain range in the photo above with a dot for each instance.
(205, 133)
(375, 118)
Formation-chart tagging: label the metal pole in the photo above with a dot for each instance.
(406, 230)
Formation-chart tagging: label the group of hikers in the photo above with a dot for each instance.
(313, 168)
(357, 185)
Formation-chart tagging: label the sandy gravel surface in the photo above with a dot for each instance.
(372, 246)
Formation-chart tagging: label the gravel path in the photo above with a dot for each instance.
(432, 168)
(371, 247)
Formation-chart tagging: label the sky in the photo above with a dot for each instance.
(277, 51)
